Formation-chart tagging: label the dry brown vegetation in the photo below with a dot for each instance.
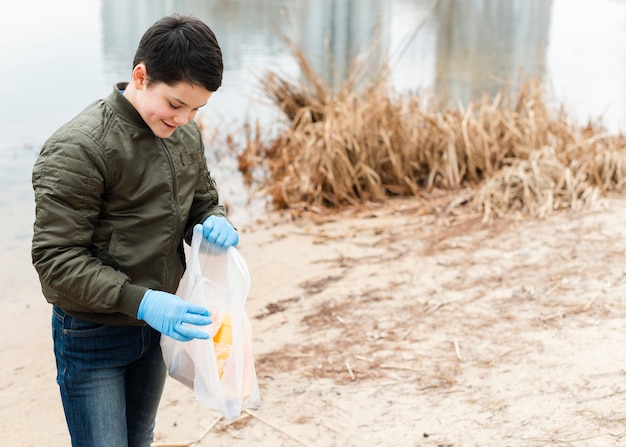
(350, 146)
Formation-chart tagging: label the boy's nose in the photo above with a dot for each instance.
(181, 119)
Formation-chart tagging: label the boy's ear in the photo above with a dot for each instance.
(139, 76)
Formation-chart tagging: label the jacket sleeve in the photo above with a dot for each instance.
(69, 178)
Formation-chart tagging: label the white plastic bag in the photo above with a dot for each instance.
(220, 370)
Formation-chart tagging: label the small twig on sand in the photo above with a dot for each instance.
(269, 424)
(188, 443)
(349, 368)
(605, 396)
(365, 359)
(590, 303)
(457, 350)
(403, 368)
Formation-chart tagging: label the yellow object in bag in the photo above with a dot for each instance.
(223, 344)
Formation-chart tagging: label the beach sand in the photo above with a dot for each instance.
(389, 328)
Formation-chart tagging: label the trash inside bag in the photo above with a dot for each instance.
(219, 370)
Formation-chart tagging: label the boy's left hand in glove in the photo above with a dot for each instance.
(218, 231)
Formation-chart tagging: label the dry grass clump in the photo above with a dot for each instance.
(352, 145)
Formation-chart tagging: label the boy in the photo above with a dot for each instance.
(117, 190)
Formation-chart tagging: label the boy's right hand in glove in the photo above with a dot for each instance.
(168, 314)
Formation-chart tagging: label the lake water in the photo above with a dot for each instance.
(58, 56)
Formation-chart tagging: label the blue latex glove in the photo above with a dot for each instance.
(218, 231)
(166, 313)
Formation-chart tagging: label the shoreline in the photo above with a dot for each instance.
(388, 328)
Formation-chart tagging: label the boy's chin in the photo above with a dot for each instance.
(164, 132)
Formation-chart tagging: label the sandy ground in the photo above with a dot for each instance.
(388, 328)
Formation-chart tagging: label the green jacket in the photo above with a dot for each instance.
(113, 205)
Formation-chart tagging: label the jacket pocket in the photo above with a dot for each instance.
(106, 247)
(190, 158)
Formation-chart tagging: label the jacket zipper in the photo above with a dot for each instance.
(177, 205)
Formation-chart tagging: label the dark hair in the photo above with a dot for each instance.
(181, 49)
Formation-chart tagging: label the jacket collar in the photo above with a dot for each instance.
(123, 106)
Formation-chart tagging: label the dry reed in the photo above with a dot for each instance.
(352, 145)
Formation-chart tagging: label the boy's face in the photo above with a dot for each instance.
(164, 107)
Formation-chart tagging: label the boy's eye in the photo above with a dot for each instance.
(173, 106)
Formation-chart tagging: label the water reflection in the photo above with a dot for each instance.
(475, 45)
(332, 33)
(335, 33)
(240, 26)
(482, 43)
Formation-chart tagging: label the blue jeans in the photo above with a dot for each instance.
(111, 380)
